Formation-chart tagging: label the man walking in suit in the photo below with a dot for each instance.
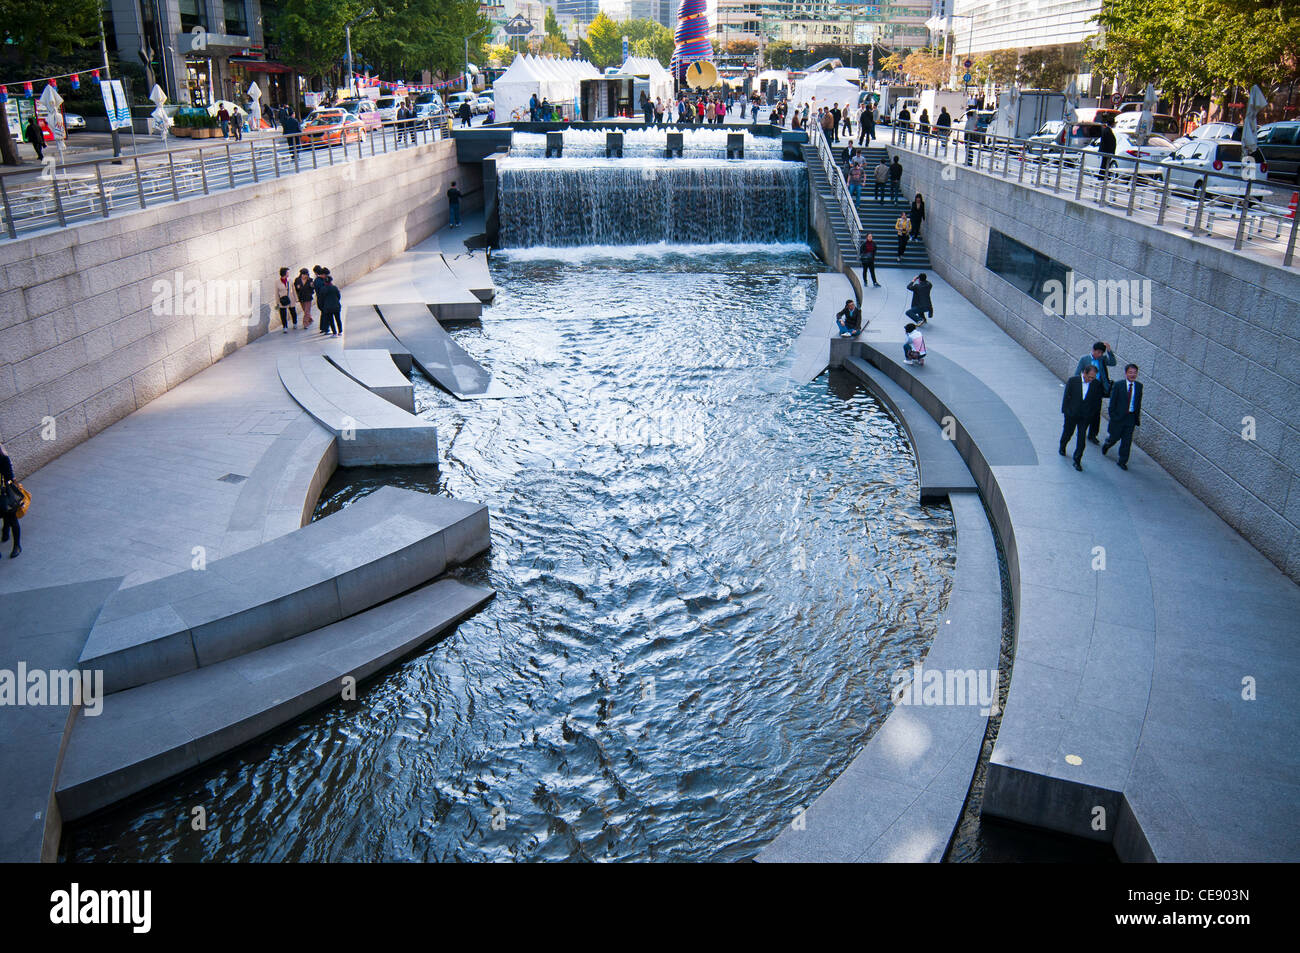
(1082, 398)
(1101, 358)
(1125, 414)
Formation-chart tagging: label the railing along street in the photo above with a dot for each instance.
(1240, 208)
(90, 189)
(838, 186)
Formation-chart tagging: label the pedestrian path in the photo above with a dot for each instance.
(878, 218)
(1156, 677)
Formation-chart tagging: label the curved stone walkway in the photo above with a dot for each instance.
(1156, 677)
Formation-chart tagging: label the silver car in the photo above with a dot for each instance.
(1128, 154)
(1215, 166)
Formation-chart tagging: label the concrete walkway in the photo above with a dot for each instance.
(1156, 678)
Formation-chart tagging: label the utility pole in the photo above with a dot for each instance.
(347, 30)
(108, 75)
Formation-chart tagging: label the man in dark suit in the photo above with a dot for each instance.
(1125, 414)
(1101, 358)
(1082, 398)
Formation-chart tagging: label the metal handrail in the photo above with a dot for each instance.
(148, 179)
(839, 187)
(1109, 187)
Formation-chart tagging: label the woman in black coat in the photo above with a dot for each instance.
(10, 521)
(917, 214)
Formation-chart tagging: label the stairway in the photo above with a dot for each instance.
(839, 225)
(878, 218)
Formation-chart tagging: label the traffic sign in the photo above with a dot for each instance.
(966, 78)
(1116, 98)
(968, 64)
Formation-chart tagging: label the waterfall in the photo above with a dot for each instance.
(568, 202)
(705, 143)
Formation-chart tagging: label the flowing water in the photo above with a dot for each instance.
(577, 202)
(705, 576)
(648, 143)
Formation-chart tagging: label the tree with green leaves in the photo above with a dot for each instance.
(605, 41)
(552, 25)
(658, 45)
(777, 55)
(33, 31)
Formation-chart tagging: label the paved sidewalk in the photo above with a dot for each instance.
(1171, 675)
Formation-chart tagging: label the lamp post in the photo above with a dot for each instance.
(467, 39)
(347, 30)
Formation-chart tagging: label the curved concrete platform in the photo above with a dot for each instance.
(901, 797)
(939, 467)
(374, 370)
(154, 732)
(810, 353)
(364, 330)
(370, 430)
(421, 276)
(473, 273)
(1142, 621)
(437, 356)
(384, 544)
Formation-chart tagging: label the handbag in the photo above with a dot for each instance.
(10, 499)
(25, 504)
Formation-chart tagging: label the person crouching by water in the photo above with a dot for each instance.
(9, 518)
(914, 346)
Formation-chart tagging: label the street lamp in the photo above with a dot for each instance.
(467, 39)
(347, 29)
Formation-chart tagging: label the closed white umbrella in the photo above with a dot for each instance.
(1072, 102)
(52, 103)
(158, 118)
(1250, 127)
(255, 107)
(1148, 112)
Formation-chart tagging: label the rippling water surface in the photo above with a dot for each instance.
(705, 575)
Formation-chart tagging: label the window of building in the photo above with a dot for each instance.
(236, 20)
(192, 15)
(1022, 266)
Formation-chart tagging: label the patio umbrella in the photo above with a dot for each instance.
(158, 118)
(1072, 102)
(1148, 111)
(255, 106)
(1250, 126)
(52, 103)
(1004, 124)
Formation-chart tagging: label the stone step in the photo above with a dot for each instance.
(381, 545)
(154, 732)
(374, 370)
(370, 430)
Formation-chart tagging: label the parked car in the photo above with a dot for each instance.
(1161, 124)
(74, 122)
(328, 127)
(387, 107)
(1280, 144)
(1203, 164)
(1211, 131)
(484, 104)
(454, 101)
(1127, 150)
(363, 110)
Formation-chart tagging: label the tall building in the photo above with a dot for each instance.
(899, 24)
(583, 11)
(1021, 24)
(201, 50)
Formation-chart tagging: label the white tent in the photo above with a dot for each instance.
(823, 89)
(514, 88)
(661, 81)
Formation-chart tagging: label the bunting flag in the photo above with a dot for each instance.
(367, 80)
(76, 81)
(4, 94)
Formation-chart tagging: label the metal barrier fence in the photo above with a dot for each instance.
(91, 189)
(838, 186)
(1237, 208)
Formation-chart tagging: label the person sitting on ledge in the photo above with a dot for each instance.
(849, 319)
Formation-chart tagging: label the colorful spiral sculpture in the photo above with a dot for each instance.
(693, 44)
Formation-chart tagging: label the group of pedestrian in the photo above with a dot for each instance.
(230, 122)
(307, 287)
(1085, 392)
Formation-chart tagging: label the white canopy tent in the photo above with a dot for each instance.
(514, 88)
(823, 89)
(661, 81)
